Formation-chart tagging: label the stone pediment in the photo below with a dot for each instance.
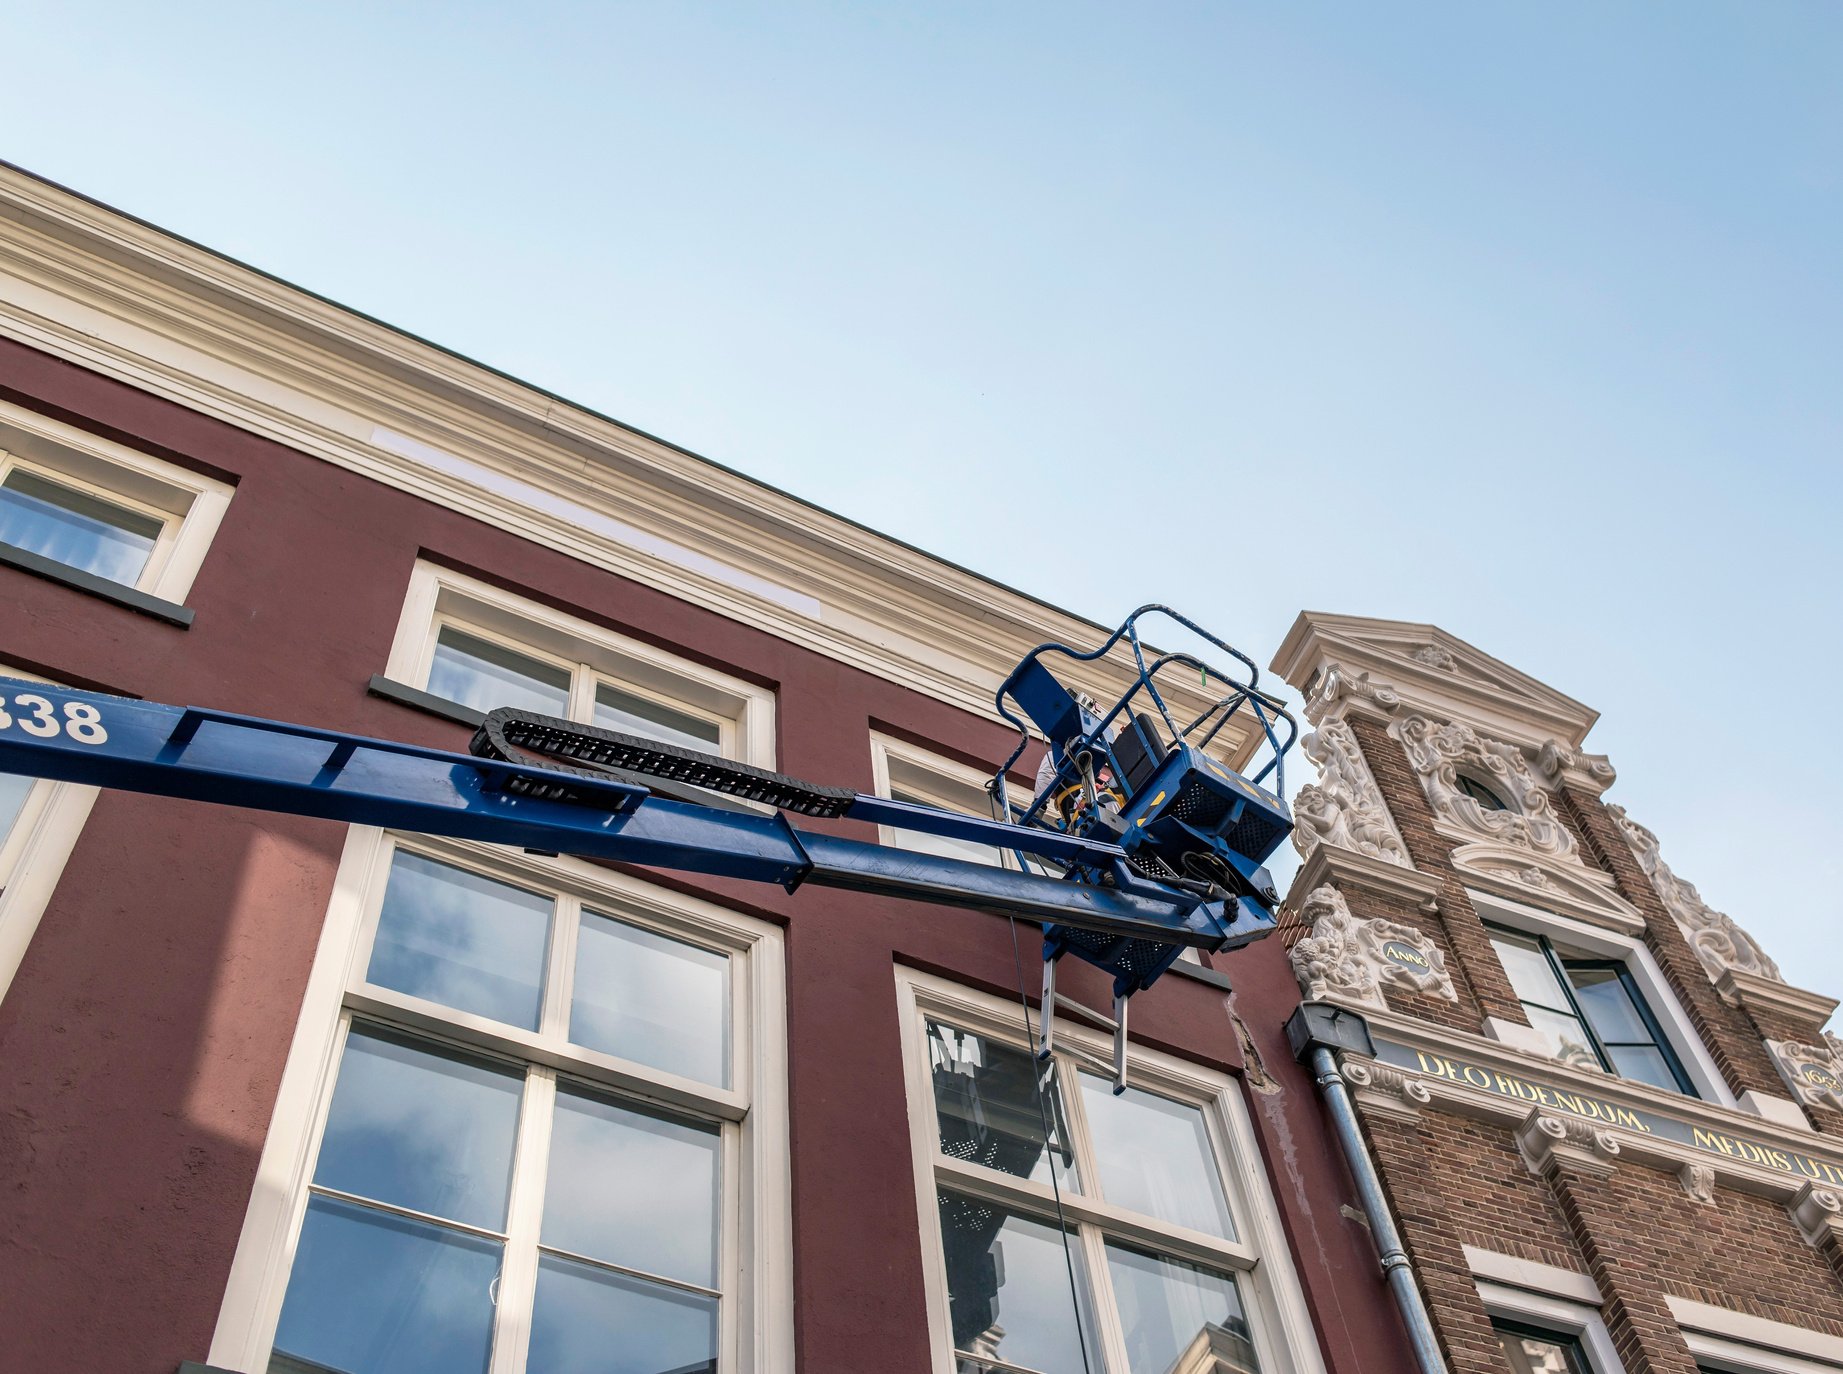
(1566, 888)
(1428, 667)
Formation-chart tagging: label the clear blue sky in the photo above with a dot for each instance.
(1525, 320)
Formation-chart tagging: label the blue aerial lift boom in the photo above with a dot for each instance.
(1136, 845)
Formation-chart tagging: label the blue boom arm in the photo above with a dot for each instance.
(539, 801)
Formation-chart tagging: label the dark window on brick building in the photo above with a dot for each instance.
(1590, 1010)
(1532, 1350)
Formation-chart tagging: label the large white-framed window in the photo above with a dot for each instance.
(534, 1117)
(1659, 1008)
(39, 824)
(1059, 1220)
(1547, 1319)
(474, 644)
(1544, 1334)
(907, 772)
(104, 509)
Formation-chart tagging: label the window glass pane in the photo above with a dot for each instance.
(74, 528)
(422, 1128)
(1529, 970)
(1154, 1156)
(1566, 1038)
(1008, 1289)
(633, 715)
(372, 1293)
(944, 845)
(1177, 1316)
(1645, 1064)
(480, 674)
(633, 1188)
(1528, 1351)
(465, 941)
(987, 1103)
(13, 792)
(591, 1321)
(1607, 1005)
(1481, 794)
(651, 999)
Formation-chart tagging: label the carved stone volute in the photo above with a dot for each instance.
(1718, 941)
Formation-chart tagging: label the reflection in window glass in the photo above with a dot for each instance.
(373, 1293)
(1529, 1350)
(13, 792)
(595, 1321)
(422, 1128)
(633, 1188)
(478, 673)
(1154, 1156)
(75, 528)
(1588, 1010)
(1532, 977)
(1177, 1316)
(651, 999)
(1008, 1289)
(463, 940)
(947, 846)
(635, 715)
(986, 1099)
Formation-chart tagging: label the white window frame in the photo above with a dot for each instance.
(189, 505)
(1601, 943)
(33, 853)
(438, 597)
(1271, 1295)
(928, 777)
(756, 1255)
(1565, 1316)
(1741, 1343)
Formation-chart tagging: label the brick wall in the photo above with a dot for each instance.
(1455, 1182)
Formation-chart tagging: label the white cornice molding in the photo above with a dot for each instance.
(121, 298)
(1761, 993)
(1438, 672)
(1346, 869)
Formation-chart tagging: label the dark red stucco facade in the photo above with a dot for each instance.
(142, 1041)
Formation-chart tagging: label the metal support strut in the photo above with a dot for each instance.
(1316, 1031)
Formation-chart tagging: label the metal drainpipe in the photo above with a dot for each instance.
(1316, 1031)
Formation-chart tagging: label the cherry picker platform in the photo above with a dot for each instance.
(1136, 845)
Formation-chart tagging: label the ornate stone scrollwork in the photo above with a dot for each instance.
(1543, 1139)
(1385, 1089)
(1818, 1214)
(1556, 760)
(1341, 683)
(1698, 1181)
(1433, 656)
(1351, 960)
(1814, 1073)
(1718, 941)
(1344, 808)
(1437, 750)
